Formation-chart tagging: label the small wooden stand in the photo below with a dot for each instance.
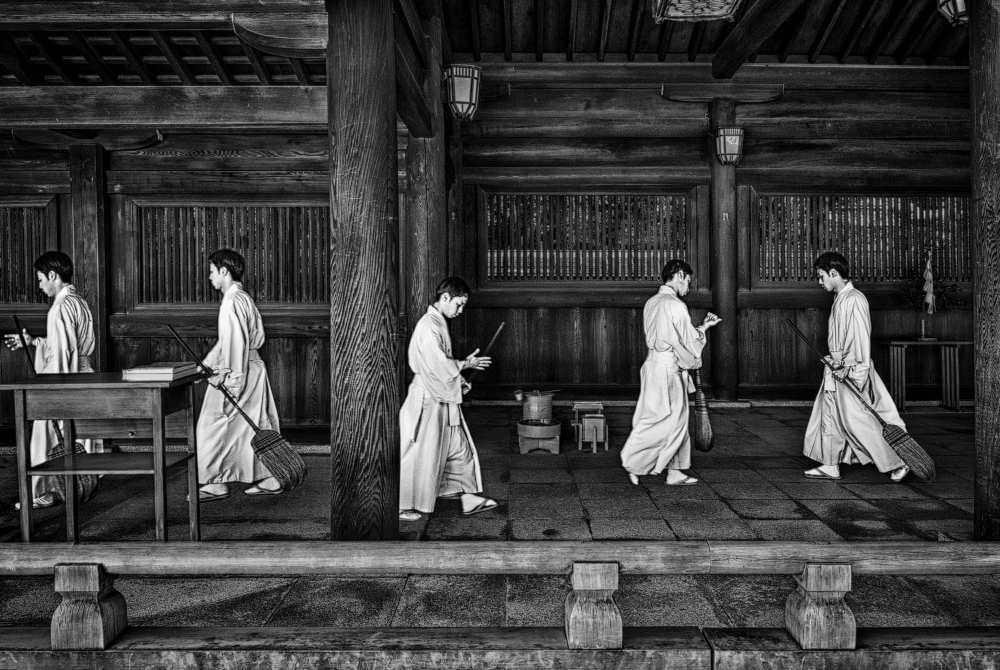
(593, 620)
(816, 614)
(92, 614)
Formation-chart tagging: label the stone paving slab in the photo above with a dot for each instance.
(630, 529)
(445, 600)
(560, 528)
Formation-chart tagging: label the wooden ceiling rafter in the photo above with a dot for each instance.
(477, 49)
(638, 11)
(758, 24)
(857, 30)
(663, 45)
(40, 42)
(299, 70)
(886, 31)
(694, 44)
(830, 23)
(214, 60)
(574, 8)
(508, 30)
(13, 61)
(792, 30)
(539, 30)
(916, 34)
(179, 67)
(93, 58)
(257, 63)
(126, 50)
(602, 45)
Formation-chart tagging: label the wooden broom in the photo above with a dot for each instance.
(701, 433)
(86, 485)
(271, 448)
(911, 453)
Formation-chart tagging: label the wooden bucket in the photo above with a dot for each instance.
(537, 406)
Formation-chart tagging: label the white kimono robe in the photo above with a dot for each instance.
(66, 348)
(660, 439)
(437, 455)
(840, 429)
(224, 450)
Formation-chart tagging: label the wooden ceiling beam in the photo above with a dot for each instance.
(602, 45)
(299, 70)
(694, 44)
(633, 33)
(663, 46)
(477, 49)
(10, 58)
(213, 57)
(890, 25)
(176, 64)
(574, 8)
(41, 43)
(759, 23)
(256, 63)
(794, 28)
(857, 30)
(539, 30)
(125, 49)
(164, 107)
(93, 58)
(831, 22)
(141, 14)
(508, 30)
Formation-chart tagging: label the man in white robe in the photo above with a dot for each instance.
(225, 453)
(438, 458)
(660, 439)
(840, 429)
(66, 348)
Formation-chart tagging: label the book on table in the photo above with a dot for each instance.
(160, 372)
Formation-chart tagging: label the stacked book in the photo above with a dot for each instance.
(160, 372)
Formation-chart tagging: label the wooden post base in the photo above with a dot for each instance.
(92, 614)
(816, 614)
(593, 620)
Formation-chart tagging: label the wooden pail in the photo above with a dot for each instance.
(537, 406)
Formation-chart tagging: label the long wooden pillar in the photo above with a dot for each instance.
(90, 239)
(984, 81)
(364, 389)
(724, 270)
(426, 242)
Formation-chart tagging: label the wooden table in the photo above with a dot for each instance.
(949, 369)
(101, 404)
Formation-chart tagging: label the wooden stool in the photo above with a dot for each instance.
(584, 407)
(593, 429)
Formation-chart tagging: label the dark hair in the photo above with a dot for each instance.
(673, 266)
(229, 259)
(55, 261)
(831, 260)
(453, 286)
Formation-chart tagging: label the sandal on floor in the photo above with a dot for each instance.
(687, 481)
(816, 473)
(487, 503)
(41, 502)
(899, 474)
(205, 496)
(260, 491)
(410, 515)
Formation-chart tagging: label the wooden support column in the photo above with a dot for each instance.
(593, 620)
(427, 230)
(984, 84)
(92, 614)
(364, 388)
(90, 239)
(724, 338)
(816, 614)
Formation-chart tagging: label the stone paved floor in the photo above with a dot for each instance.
(751, 488)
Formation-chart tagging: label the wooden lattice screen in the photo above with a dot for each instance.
(885, 237)
(574, 237)
(27, 228)
(286, 247)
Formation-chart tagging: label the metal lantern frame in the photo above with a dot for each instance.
(729, 144)
(694, 10)
(955, 11)
(462, 86)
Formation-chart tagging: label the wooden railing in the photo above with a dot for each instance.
(93, 614)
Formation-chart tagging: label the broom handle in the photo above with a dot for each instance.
(486, 352)
(31, 366)
(846, 380)
(210, 372)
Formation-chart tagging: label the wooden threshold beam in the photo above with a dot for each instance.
(759, 23)
(492, 557)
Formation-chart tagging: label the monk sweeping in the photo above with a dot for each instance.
(840, 429)
(660, 439)
(438, 458)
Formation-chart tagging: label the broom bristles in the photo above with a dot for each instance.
(911, 453)
(280, 458)
(86, 485)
